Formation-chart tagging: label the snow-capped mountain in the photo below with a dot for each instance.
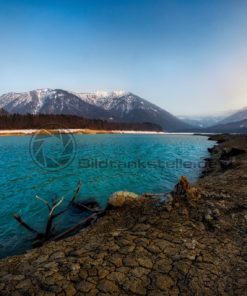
(116, 106)
(103, 99)
(119, 102)
(125, 106)
(49, 101)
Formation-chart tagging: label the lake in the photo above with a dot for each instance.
(104, 163)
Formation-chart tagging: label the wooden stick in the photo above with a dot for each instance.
(44, 201)
(75, 227)
(76, 192)
(24, 224)
(57, 204)
(51, 217)
(80, 205)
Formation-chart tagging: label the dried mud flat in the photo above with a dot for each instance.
(195, 244)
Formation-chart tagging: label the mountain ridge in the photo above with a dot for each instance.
(239, 127)
(118, 106)
(235, 117)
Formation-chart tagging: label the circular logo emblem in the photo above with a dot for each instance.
(53, 147)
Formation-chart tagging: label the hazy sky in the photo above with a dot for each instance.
(189, 57)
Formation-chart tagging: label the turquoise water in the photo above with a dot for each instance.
(142, 163)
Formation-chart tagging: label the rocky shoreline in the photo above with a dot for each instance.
(191, 245)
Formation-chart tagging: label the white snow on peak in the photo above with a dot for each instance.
(116, 93)
(103, 94)
(43, 90)
(104, 99)
(14, 97)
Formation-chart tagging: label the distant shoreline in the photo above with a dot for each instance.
(27, 132)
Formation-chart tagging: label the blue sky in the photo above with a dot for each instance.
(189, 57)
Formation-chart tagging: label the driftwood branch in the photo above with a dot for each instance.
(89, 219)
(55, 205)
(72, 201)
(44, 201)
(84, 207)
(49, 225)
(89, 206)
(60, 213)
(24, 224)
(79, 185)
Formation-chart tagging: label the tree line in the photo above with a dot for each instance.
(30, 121)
